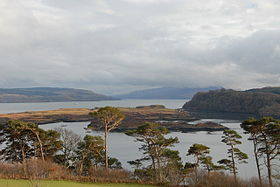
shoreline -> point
(172, 119)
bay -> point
(23, 107)
(125, 148)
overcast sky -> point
(113, 46)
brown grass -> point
(82, 111)
(36, 169)
(62, 111)
(33, 169)
(82, 114)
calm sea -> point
(22, 107)
(125, 148)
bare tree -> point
(70, 141)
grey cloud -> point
(112, 46)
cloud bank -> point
(117, 46)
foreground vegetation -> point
(33, 153)
(45, 183)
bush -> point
(33, 169)
(38, 169)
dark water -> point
(125, 148)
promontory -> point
(228, 103)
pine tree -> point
(231, 138)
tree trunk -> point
(268, 162)
(269, 170)
(257, 162)
(41, 146)
(105, 146)
(233, 163)
(23, 155)
(159, 170)
(154, 167)
(39, 141)
(81, 168)
(153, 161)
(195, 170)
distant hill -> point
(254, 102)
(164, 93)
(48, 94)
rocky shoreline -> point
(185, 128)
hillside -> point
(48, 94)
(254, 102)
(164, 93)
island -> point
(173, 119)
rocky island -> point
(173, 119)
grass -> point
(47, 183)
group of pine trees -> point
(159, 163)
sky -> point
(117, 46)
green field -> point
(41, 183)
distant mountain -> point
(48, 94)
(274, 90)
(254, 102)
(164, 93)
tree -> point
(209, 165)
(155, 149)
(231, 138)
(26, 140)
(199, 152)
(70, 141)
(201, 157)
(90, 153)
(18, 142)
(265, 135)
(109, 118)
(253, 127)
(51, 143)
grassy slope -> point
(25, 183)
